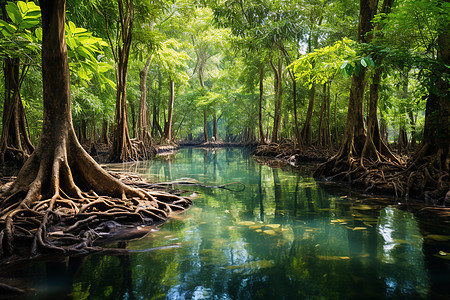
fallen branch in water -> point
(188, 182)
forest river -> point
(283, 237)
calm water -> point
(283, 237)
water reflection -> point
(283, 237)
(400, 250)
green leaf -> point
(14, 13)
(344, 71)
(363, 62)
(344, 64)
(22, 7)
(72, 27)
(79, 30)
(38, 33)
(85, 53)
(9, 27)
(28, 23)
(349, 69)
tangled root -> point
(75, 225)
(286, 150)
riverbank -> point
(422, 203)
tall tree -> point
(143, 126)
(374, 146)
(122, 148)
(355, 132)
(168, 130)
(48, 189)
(17, 47)
(429, 167)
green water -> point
(283, 237)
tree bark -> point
(168, 128)
(143, 120)
(122, 149)
(324, 138)
(105, 137)
(262, 138)
(133, 133)
(412, 123)
(278, 74)
(215, 127)
(306, 133)
(434, 151)
(205, 126)
(375, 148)
(15, 144)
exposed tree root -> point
(63, 202)
(72, 225)
(425, 177)
(286, 150)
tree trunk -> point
(214, 127)
(336, 134)
(278, 74)
(262, 139)
(324, 138)
(156, 126)
(375, 148)
(83, 132)
(354, 133)
(122, 149)
(143, 119)
(168, 128)
(430, 165)
(296, 126)
(306, 133)
(322, 116)
(133, 119)
(205, 126)
(105, 137)
(328, 126)
(412, 123)
(46, 196)
(15, 144)
(383, 129)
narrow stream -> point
(283, 237)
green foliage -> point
(171, 61)
(323, 64)
(17, 36)
(226, 43)
(84, 51)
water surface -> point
(283, 237)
